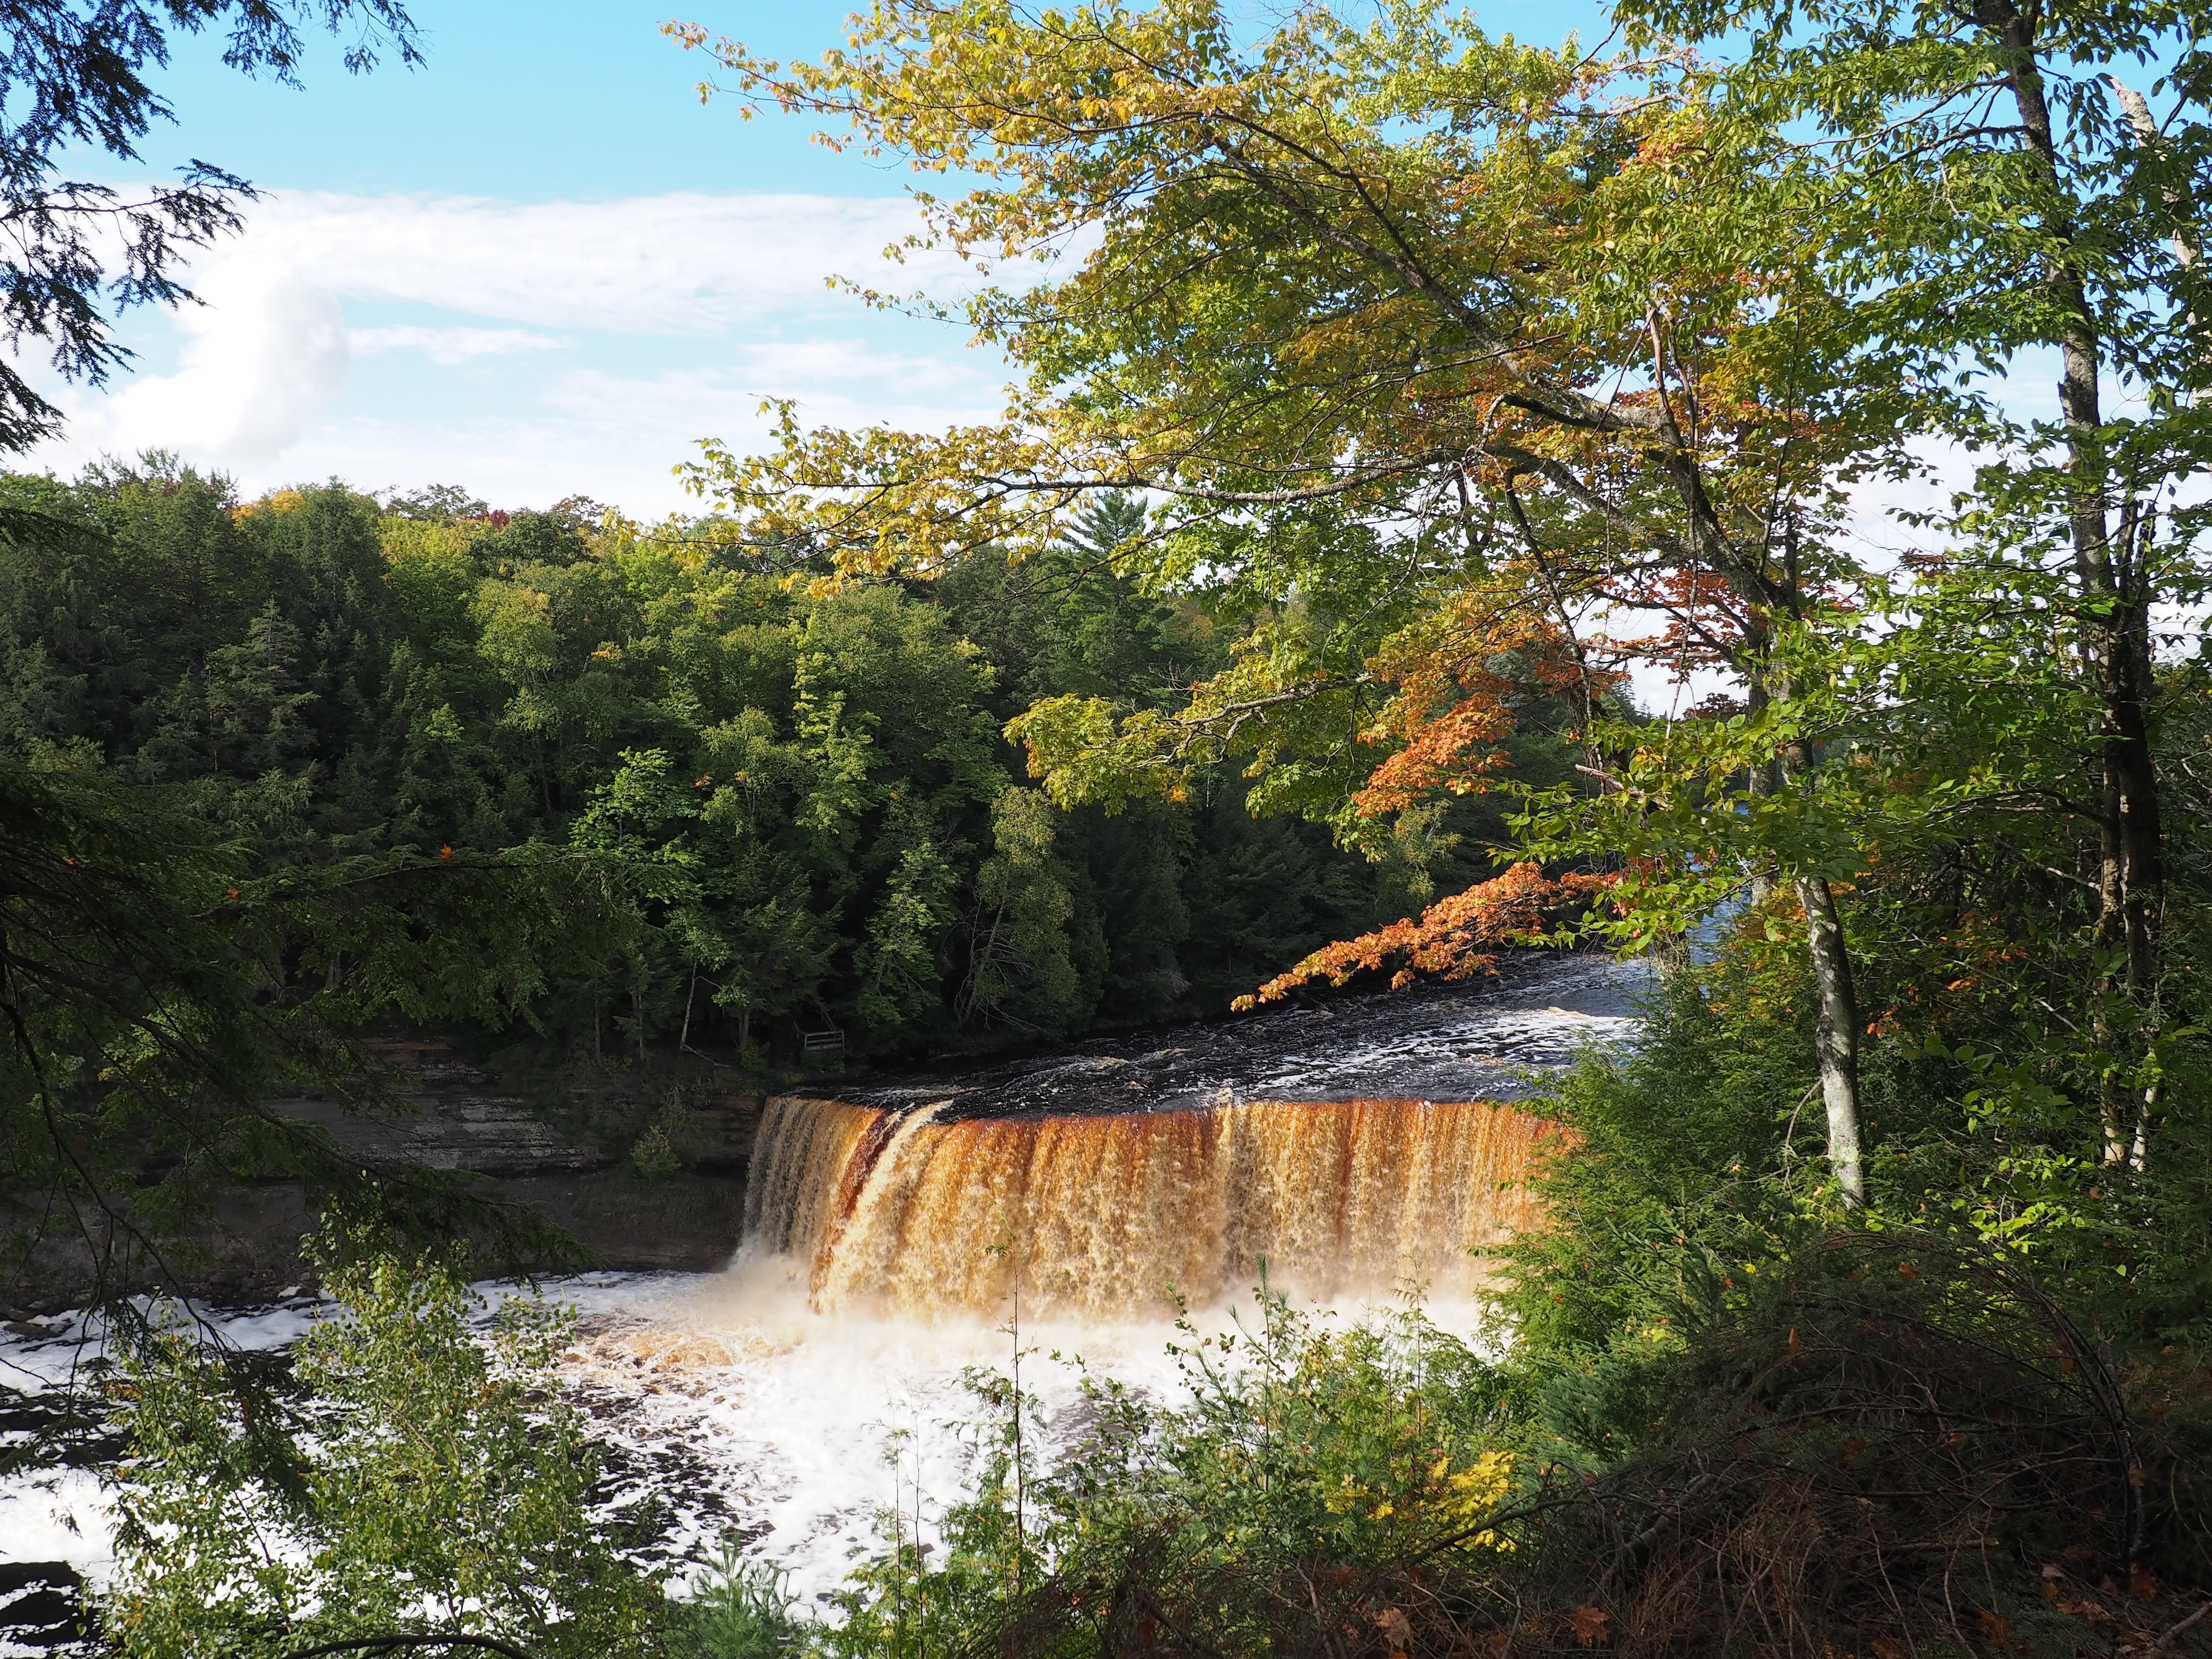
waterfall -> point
(1102, 1214)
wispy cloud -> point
(452, 345)
(616, 434)
(531, 338)
(682, 264)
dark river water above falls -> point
(1480, 1040)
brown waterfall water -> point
(1107, 1215)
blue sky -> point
(536, 266)
(556, 101)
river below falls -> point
(755, 1419)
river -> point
(787, 1401)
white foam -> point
(747, 1411)
(57, 1514)
(817, 1424)
(61, 1514)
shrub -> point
(420, 1482)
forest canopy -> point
(803, 796)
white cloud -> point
(847, 387)
(845, 362)
(579, 304)
(263, 354)
(681, 263)
(452, 345)
(598, 431)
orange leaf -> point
(1589, 1625)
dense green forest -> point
(821, 821)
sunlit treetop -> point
(1374, 311)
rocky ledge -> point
(563, 1145)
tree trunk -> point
(2115, 625)
(1836, 1035)
(1836, 1043)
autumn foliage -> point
(1456, 680)
(1453, 939)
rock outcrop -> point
(563, 1145)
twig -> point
(2165, 1644)
(1803, 1101)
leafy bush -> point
(742, 1611)
(1891, 1441)
(428, 1485)
(1955, 1419)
